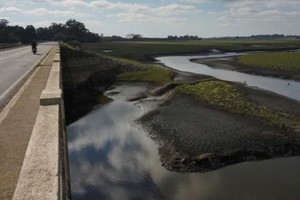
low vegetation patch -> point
(287, 61)
(229, 98)
(102, 99)
(146, 72)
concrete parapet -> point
(56, 57)
(44, 174)
(39, 177)
(51, 97)
(54, 78)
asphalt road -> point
(14, 63)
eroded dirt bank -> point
(191, 135)
(85, 78)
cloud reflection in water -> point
(110, 159)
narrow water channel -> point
(110, 158)
(284, 87)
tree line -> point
(72, 30)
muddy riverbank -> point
(111, 158)
(191, 136)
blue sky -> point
(160, 18)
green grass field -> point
(286, 61)
(141, 50)
(229, 98)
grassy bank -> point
(141, 50)
(286, 61)
(146, 72)
(231, 99)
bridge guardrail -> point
(9, 45)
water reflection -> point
(110, 159)
(106, 153)
(287, 88)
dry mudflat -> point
(194, 137)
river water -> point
(284, 87)
(110, 158)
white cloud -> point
(138, 17)
(12, 10)
(241, 12)
(174, 9)
(133, 12)
(69, 3)
(45, 23)
(41, 12)
(170, 9)
(45, 11)
(63, 3)
(92, 24)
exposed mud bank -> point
(194, 137)
(191, 136)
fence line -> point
(9, 45)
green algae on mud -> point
(231, 98)
(286, 61)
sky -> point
(160, 18)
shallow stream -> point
(110, 158)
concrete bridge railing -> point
(44, 174)
(9, 45)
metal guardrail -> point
(9, 45)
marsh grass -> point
(286, 61)
(141, 50)
(230, 98)
(146, 72)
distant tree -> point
(72, 30)
(75, 28)
(3, 23)
(42, 33)
(170, 37)
(7, 33)
(114, 38)
(134, 36)
(18, 31)
(29, 34)
(137, 37)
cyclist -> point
(34, 46)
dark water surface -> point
(110, 158)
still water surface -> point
(112, 159)
(284, 87)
